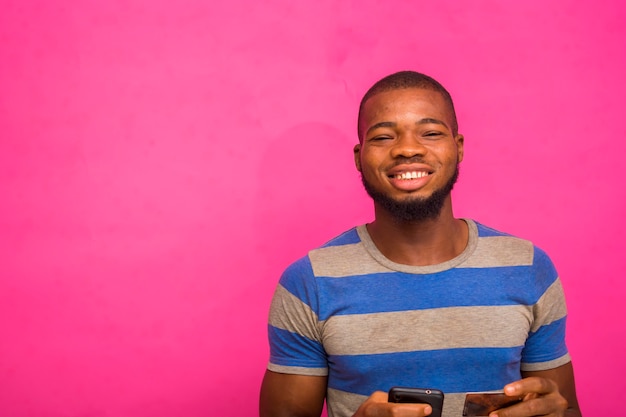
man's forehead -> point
(390, 100)
(418, 93)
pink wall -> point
(162, 162)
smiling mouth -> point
(410, 175)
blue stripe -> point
(298, 279)
(291, 349)
(551, 335)
(545, 272)
(450, 370)
(396, 291)
(349, 237)
(485, 231)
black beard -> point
(414, 209)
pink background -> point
(162, 162)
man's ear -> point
(460, 141)
(357, 156)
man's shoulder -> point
(486, 231)
(500, 241)
(323, 260)
(347, 238)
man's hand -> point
(541, 397)
(377, 406)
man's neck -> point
(419, 243)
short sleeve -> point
(545, 347)
(293, 329)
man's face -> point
(408, 156)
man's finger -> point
(529, 385)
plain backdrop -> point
(162, 162)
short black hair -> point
(407, 79)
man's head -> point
(409, 147)
(407, 79)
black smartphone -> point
(480, 404)
(430, 396)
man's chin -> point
(412, 198)
(413, 207)
(410, 208)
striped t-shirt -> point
(472, 323)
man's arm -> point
(546, 393)
(286, 395)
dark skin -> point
(414, 125)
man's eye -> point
(379, 138)
(433, 134)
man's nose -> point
(408, 146)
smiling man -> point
(417, 297)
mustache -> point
(401, 160)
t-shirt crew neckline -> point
(373, 251)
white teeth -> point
(411, 175)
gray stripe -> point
(550, 307)
(342, 403)
(542, 366)
(443, 328)
(428, 269)
(499, 251)
(297, 370)
(364, 257)
(453, 405)
(342, 261)
(288, 312)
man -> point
(417, 297)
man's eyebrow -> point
(381, 124)
(429, 120)
(424, 121)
